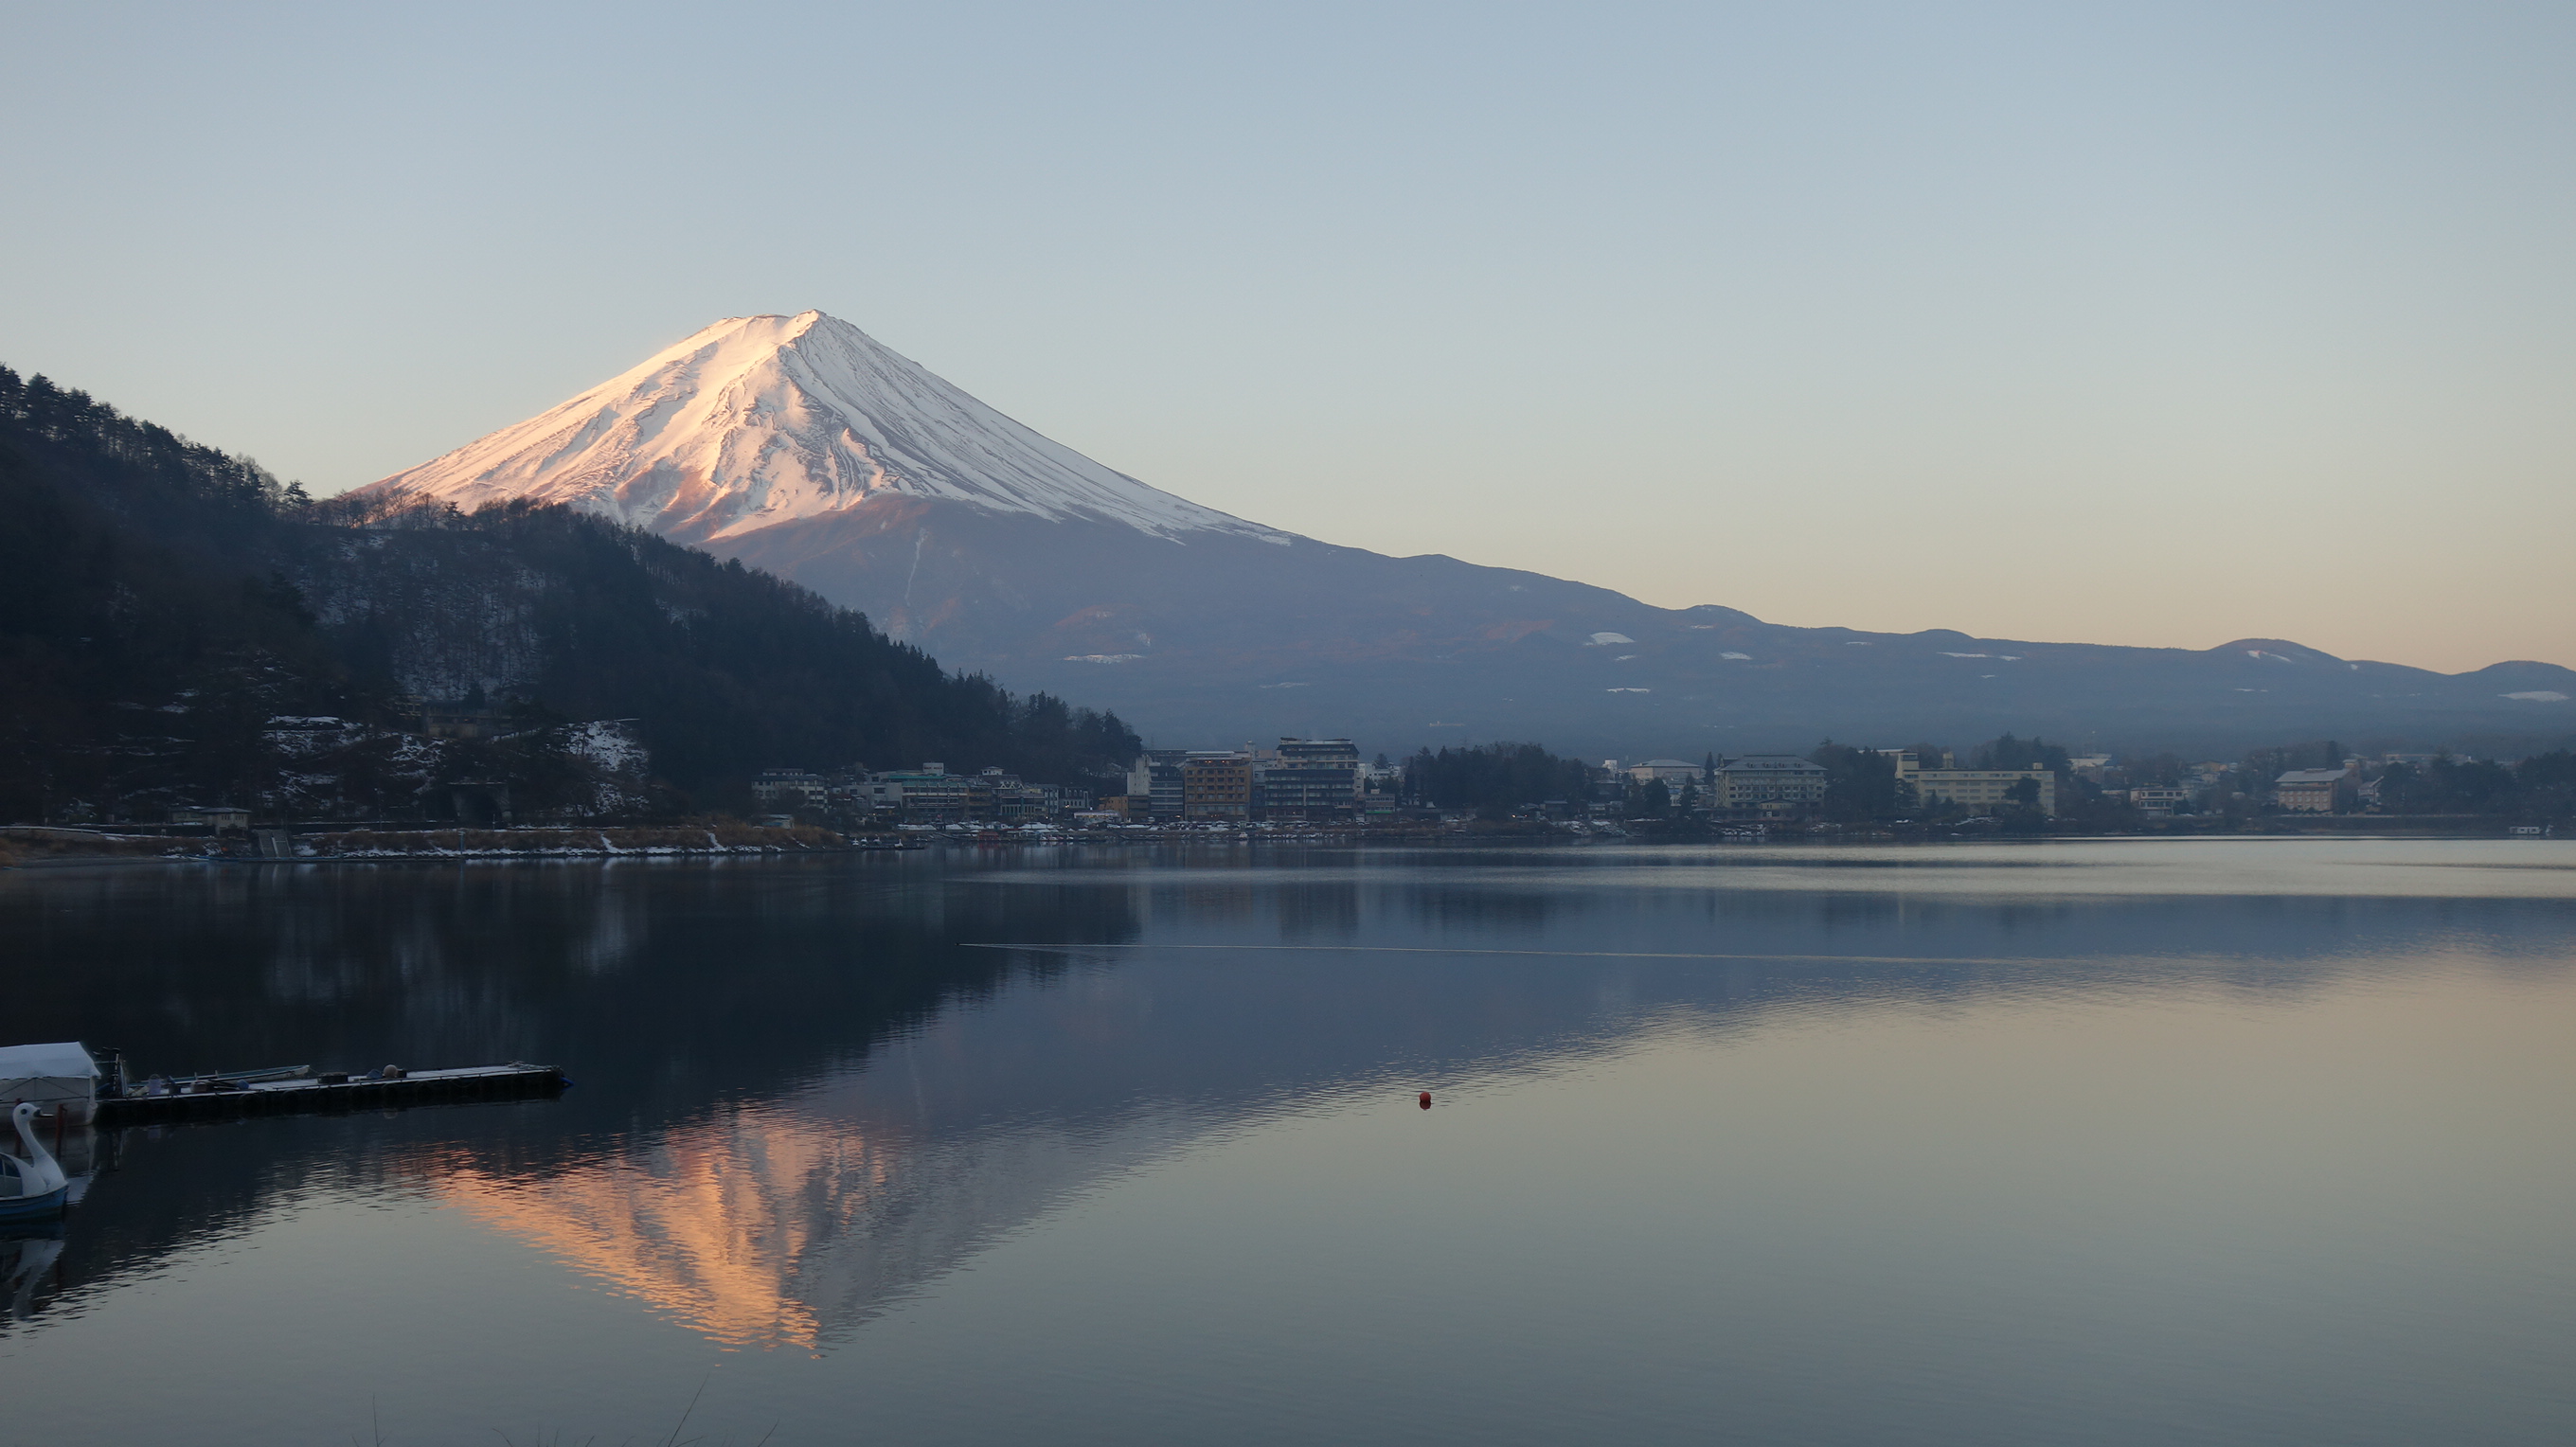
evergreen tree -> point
(1860, 784)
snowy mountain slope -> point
(800, 446)
(756, 421)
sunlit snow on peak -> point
(762, 420)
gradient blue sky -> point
(2160, 324)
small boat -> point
(33, 1186)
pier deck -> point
(323, 1093)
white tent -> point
(53, 1076)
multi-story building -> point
(1155, 777)
(993, 794)
(1216, 786)
(1768, 783)
(1673, 772)
(930, 793)
(1311, 779)
(2158, 800)
(2314, 791)
(1979, 789)
(788, 790)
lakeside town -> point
(1324, 786)
(1325, 781)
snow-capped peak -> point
(761, 420)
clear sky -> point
(2159, 323)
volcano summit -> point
(803, 446)
(757, 422)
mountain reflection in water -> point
(792, 1224)
(808, 1088)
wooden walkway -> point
(518, 1079)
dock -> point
(333, 1091)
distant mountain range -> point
(802, 446)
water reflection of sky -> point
(813, 1095)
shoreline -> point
(489, 846)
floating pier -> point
(214, 1097)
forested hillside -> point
(163, 605)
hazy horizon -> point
(2160, 329)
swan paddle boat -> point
(33, 1186)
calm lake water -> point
(2117, 1142)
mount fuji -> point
(757, 422)
(805, 447)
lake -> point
(2258, 1141)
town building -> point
(1310, 779)
(1673, 773)
(1381, 788)
(2158, 800)
(929, 794)
(1982, 790)
(1605, 792)
(1216, 786)
(222, 818)
(2314, 791)
(1156, 778)
(788, 790)
(1767, 783)
(993, 794)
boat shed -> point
(56, 1077)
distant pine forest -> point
(178, 627)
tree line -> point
(1493, 777)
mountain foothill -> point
(178, 627)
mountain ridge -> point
(1083, 587)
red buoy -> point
(1426, 1100)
